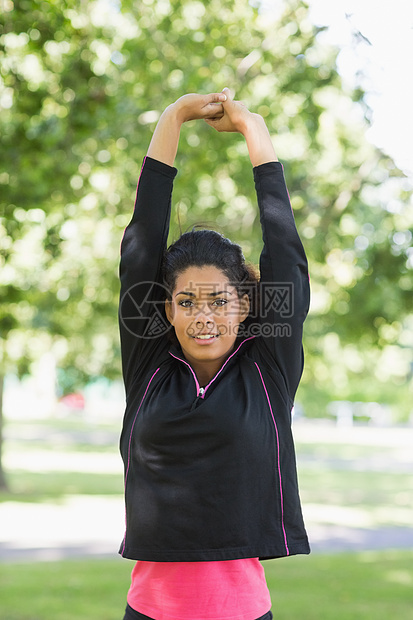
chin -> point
(217, 348)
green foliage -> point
(82, 85)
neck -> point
(206, 370)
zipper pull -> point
(199, 397)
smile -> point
(205, 336)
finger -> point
(228, 93)
(214, 110)
(216, 98)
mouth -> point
(204, 338)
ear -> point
(244, 307)
(169, 311)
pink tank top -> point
(225, 590)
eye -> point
(218, 303)
(186, 303)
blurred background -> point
(82, 85)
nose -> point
(200, 323)
(204, 317)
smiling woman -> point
(210, 474)
(206, 311)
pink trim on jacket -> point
(130, 441)
(278, 458)
(215, 376)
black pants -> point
(131, 614)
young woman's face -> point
(206, 311)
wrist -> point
(164, 143)
(174, 114)
(258, 139)
(252, 124)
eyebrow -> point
(190, 294)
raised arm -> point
(145, 238)
(283, 264)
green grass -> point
(368, 586)
(63, 434)
(37, 487)
(348, 586)
(353, 488)
(65, 437)
(346, 452)
(89, 589)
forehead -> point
(203, 280)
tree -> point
(57, 262)
(82, 86)
(351, 202)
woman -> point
(210, 474)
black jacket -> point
(212, 475)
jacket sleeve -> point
(284, 285)
(141, 316)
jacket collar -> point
(176, 352)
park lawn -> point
(368, 586)
(54, 486)
(346, 586)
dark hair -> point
(199, 248)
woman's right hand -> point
(164, 143)
(236, 117)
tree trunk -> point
(3, 483)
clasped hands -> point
(219, 110)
